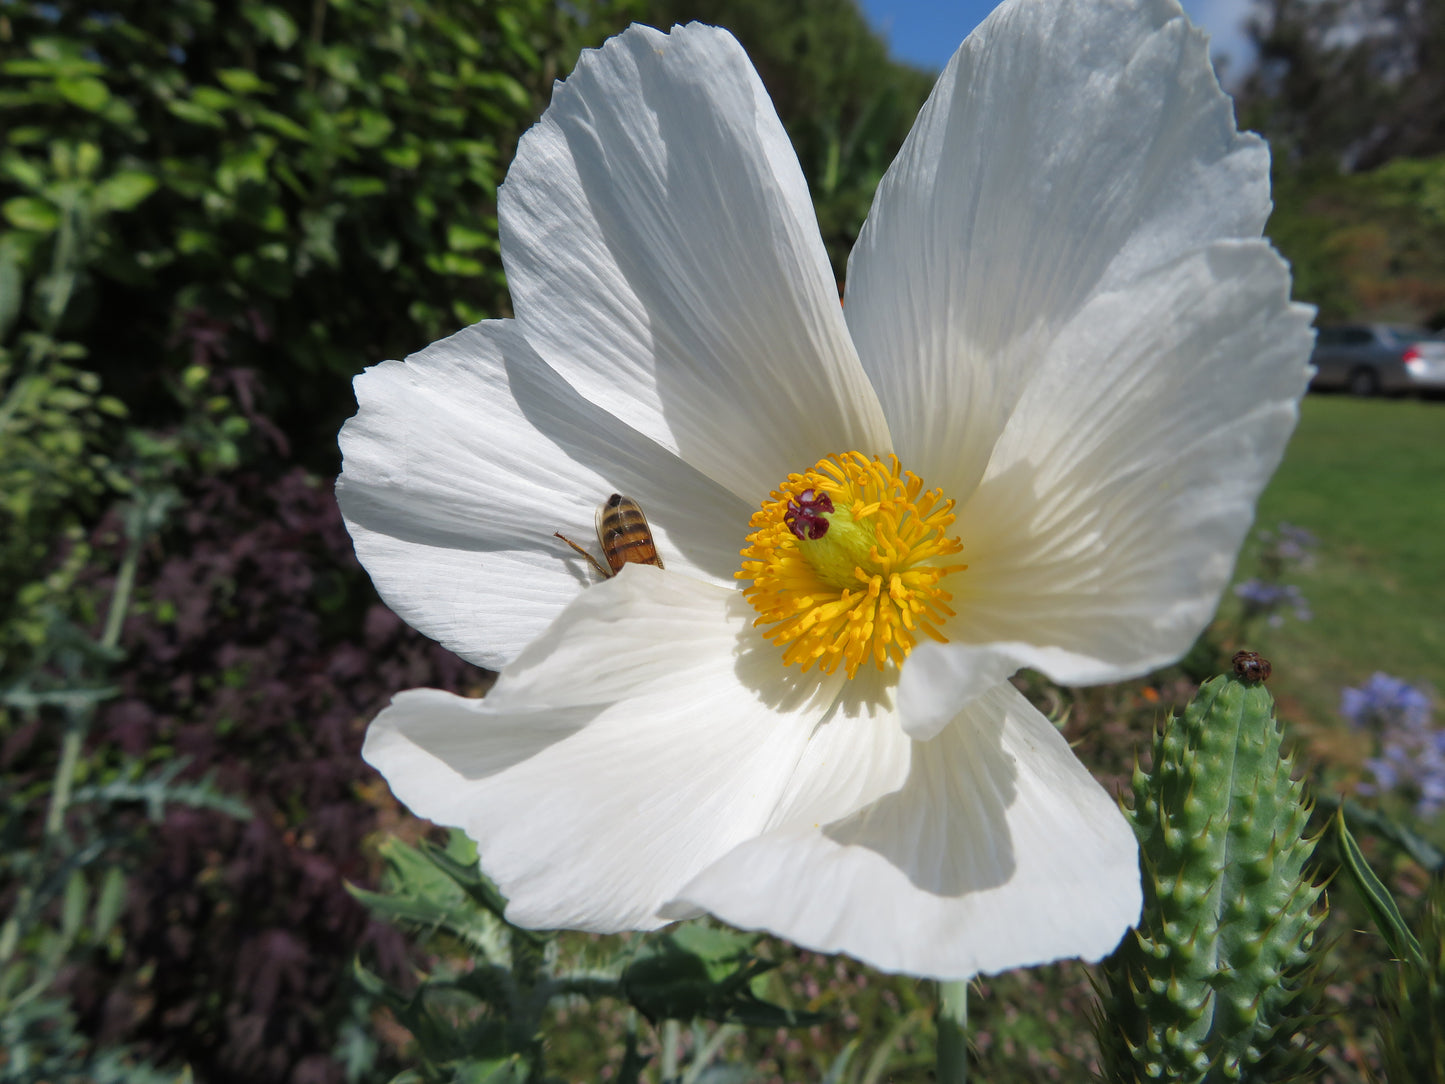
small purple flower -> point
(1260, 594)
(1386, 703)
(1295, 544)
(1411, 748)
(1268, 597)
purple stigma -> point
(805, 514)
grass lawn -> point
(1368, 477)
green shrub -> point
(300, 188)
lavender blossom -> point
(1294, 544)
(1281, 549)
(1411, 748)
(1268, 597)
(1386, 703)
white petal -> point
(1067, 148)
(1123, 485)
(1000, 851)
(857, 754)
(943, 678)
(663, 256)
(647, 733)
(462, 462)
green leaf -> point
(27, 135)
(190, 241)
(492, 1071)
(376, 988)
(87, 159)
(1373, 822)
(458, 861)
(1412, 1010)
(697, 971)
(505, 85)
(72, 911)
(242, 81)
(453, 263)
(247, 166)
(72, 698)
(372, 128)
(108, 904)
(12, 288)
(1378, 900)
(196, 114)
(22, 171)
(125, 190)
(431, 892)
(31, 213)
(87, 93)
(159, 791)
(281, 125)
(402, 157)
(413, 912)
(339, 61)
(273, 23)
(361, 187)
(441, 1038)
(465, 239)
(212, 98)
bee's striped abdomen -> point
(624, 535)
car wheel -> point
(1364, 382)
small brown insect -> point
(1248, 666)
(624, 535)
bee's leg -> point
(603, 572)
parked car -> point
(1370, 359)
(1425, 363)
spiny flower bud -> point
(1217, 983)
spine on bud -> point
(1217, 982)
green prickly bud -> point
(1217, 982)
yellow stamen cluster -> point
(870, 585)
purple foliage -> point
(1411, 748)
(243, 656)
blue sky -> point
(926, 32)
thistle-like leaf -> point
(1413, 1025)
(1377, 899)
(700, 972)
(1218, 981)
(427, 895)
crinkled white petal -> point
(647, 733)
(999, 851)
(1123, 484)
(1068, 149)
(857, 754)
(461, 463)
(663, 255)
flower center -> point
(845, 563)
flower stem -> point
(952, 1024)
(79, 722)
(671, 1039)
(73, 741)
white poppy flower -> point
(1065, 367)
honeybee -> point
(624, 535)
